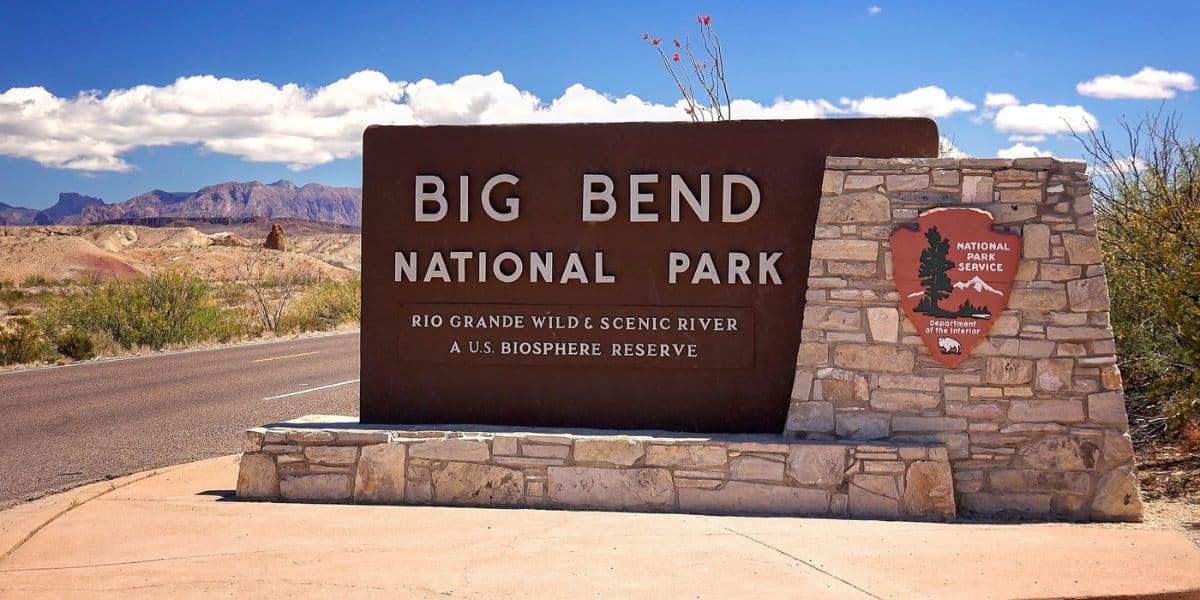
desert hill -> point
(127, 251)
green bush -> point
(75, 344)
(325, 306)
(22, 342)
(168, 307)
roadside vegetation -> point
(45, 321)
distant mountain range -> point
(230, 200)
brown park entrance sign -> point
(632, 275)
(954, 274)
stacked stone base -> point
(335, 459)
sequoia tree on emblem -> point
(954, 273)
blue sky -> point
(827, 59)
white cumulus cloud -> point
(1149, 83)
(1043, 119)
(1020, 150)
(928, 101)
(874, 10)
(999, 99)
(1031, 138)
(303, 127)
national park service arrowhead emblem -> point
(954, 274)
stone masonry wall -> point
(1034, 419)
(334, 460)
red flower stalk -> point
(655, 41)
(676, 43)
(675, 57)
(645, 36)
(707, 19)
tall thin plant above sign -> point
(690, 72)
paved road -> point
(64, 426)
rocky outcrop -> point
(276, 240)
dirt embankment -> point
(126, 251)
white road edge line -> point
(316, 389)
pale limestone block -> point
(1117, 496)
(1062, 411)
(874, 496)
(856, 207)
(560, 439)
(831, 318)
(811, 417)
(802, 386)
(884, 323)
(753, 468)
(906, 423)
(1083, 205)
(840, 249)
(456, 449)
(523, 462)
(863, 426)
(812, 354)
(1012, 213)
(1021, 196)
(623, 452)
(253, 442)
(309, 436)
(1034, 480)
(1107, 408)
(257, 477)
(976, 189)
(945, 178)
(545, 450)
(869, 357)
(687, 482)
(380, 475)
(419, 491)
(739, 497)
(1110, 377)
(324, 487)
(1089, 294)
(1052, 272)
(685, 455)
(505, 445)
(833, 181)
(1006, 326)
(331, 455)
(891, 381)
(1018, 175)
(862, 182)
(1041, 299)
(473, 484)
(929, 490)
(610, 489)
(903, 401)
(1082, 249)
(899, 183)
(1054, 374)
(819, 465)
(852, 269)
(1060, 452)
(989, 504)
(1118, 450)
(1078, 333)
(882, 466)
(1008, 371)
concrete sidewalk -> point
(176, 533)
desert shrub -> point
(166, 308)
(37, 281)
(12, 299)
(75, 344)
(1147, 198)
(325, 306)
(22, 342)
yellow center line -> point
(285, 356)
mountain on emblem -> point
(954, 274)
(978, 285)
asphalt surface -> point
(64, 426)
